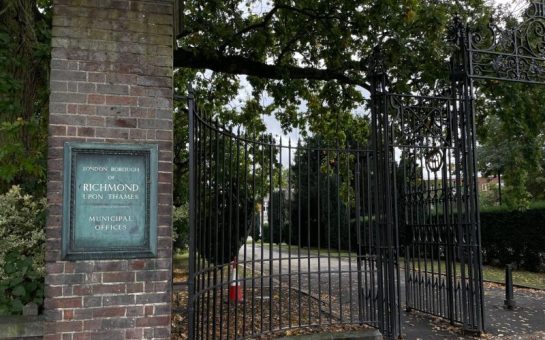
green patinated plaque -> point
(110, 201)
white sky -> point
(514, 6)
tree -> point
(319, 212)
(312, 52)
(24, 76)
(307, 62)
(323, 181)
(511, 124)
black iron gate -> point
(426, 145)
(286, 235)
(432, 140)
(318, 235)
(434, 181)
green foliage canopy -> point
(311, 57)
(24, 75)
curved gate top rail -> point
(511, 54)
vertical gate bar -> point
(229, 231)
(211, 320)
(477, 263)
(407, 280)
(433, 243)
(223, 230)
(245, 234)
(375, 139)
(319, 231)
(202, 229)
(254, 226)
(428, 221)
(328, 164)
(208, 222)
(472, 217)
(463, 237)
(262, 258)
(367, 251)
(202, 267)
(357, 180)
(212, 230)
(202, 225)
(237, 226)
(450, 237)
(420, 221)
(192, 211)
(300, 152)
(396, 283)
(371, 260)
(383, 175)
(349, 228)
(309, 289)
(271, 227)
(289, 233)
(216, 243)
(280, 227)
(415, 220)
(338, 184)
(388, 223)
(199, 229)
(446, 181)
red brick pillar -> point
(111, 82)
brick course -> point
(111, 81)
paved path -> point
(321, 276)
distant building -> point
(485, 184)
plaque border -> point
(68, 250)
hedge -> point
(22, 237)
(514, 237)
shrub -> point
(513, 236)
(23, 284)
(22, 237)
(180, 230)
(22, 228)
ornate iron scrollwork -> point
(421, 120)
(434, 160)
(516, 54)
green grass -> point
(520, 277)
(496, 274)
(533, 205)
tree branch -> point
(309, 13)
(260, 24)
(235, 64)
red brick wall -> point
(111, 81)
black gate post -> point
(468, 238)
(386, 235)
